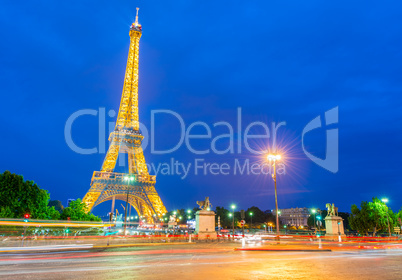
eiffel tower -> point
(137, 187)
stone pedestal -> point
(205, 225)
(334, 227)
(172, 225)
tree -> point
(379, 215)
(257, 217)
(223, 213)
(360, 219)
(57, 205)
(397, 217)
(78, 211)
(372, 216)
(19, 197)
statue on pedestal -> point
(172, 221)
(205, 221)
(332, 210)
(333, 223)
(205, 205)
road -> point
(201, 261)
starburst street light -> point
(273, 158)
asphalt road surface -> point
(201, 261)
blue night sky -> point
(279, 61)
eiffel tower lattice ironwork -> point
(126, 138)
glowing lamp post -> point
(314, 211)
(233, 208)
(251, 223)
(385, 200)
(319, 224)
(273, 158)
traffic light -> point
(67, 230)
(26, 217)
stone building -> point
(294, 216)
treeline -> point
(253, 216)
(373, 217)
(19, 197)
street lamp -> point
(270, 227)
(233, 208)
(128, 180)
(272, 159)
(251, 223)
(385, 200)
(189, 214)
(319, 224)
(313, 211)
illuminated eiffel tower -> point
(137, 186)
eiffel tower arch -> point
(137, 187)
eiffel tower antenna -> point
(136, 187)
(136, 17)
